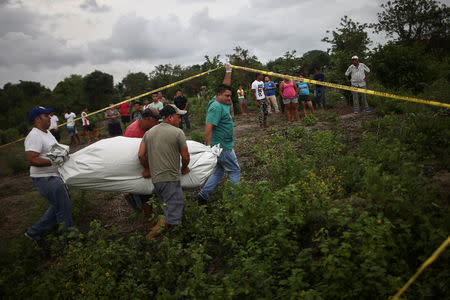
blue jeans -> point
(321, 90)
(226, 162)
(60, 210)
(186, 119)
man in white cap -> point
(46, 178)
(159, 153)
(359, 73)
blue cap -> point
(38, 110)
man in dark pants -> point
(159, 153)
(182, 103)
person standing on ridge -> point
(182, 103)
(260, 98)
(71, 128)
(269, 90)
(359, 73)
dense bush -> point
(323, 220)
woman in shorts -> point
(242, 101)
(289, 91)
(303, 96)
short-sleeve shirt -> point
(269, 84)
(69, 118)
(357, 74)
(163, 143)
(258, 86)
(124, 108)
(158, 105)
(53, 122)
(84, 119)
(41, 142)
(218, 114)
(180, 102)
(112, 113)
(319, 77)
(303, 88)
(134, 130)
(240, 94)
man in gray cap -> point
(359, 73)
(159, 153)
(46, 178)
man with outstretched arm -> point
(159, 153)
(219, 130)
(46, 178)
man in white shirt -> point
(359, 73)
(71, 129)
(260, 98)
(54, 126)
(46, 178)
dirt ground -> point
(21, 205)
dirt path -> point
(20, 207)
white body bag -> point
(112, 165)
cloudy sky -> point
(47, 40)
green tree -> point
(402, 67)
(415, 20)
(18, 99)
(70, 92)
(163, 75)
(313, 60)
(289, 63)
(135, 84)
(99, 89)
(349, 39)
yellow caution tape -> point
(348, 88)
(428, 262)
(131, 99)
(333, 85)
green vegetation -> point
(316, 219)
(327, 209)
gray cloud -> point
(18, 20)
(137, 38)
(23, 43)
(92, 6)
(30, 48)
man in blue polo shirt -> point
(269, 90)
(219, 130)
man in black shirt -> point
(182, 103)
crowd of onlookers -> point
(270, 97)
(116, 115)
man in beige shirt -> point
(159, 153)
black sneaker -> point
(201, 200)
